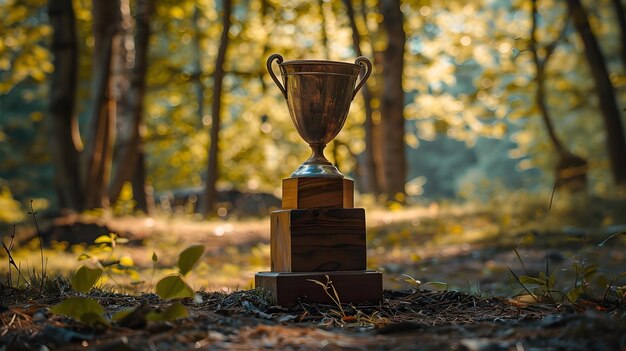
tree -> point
(370, 165)
(571, 170)
(216, 107)
(392, 104)
(620, 14)
(64, 141)
(130, 151)
(616, 144)
(101, 134)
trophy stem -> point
(317, 165)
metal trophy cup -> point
(318, 235)
(318, 95)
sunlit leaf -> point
(189, 257)
(171, 313)
(76, 307)
(437, 285)
(126, 261)
(85, 278)
(173, 286)
(102, 239)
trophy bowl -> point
(318, 94)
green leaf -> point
(85, 278)
(437, 285)
(154, 257)
(84, 256)
(189, 257)
(77, 307)
(524, 279)
(171, 313)
(175, 311)
(92, 319)
(122, 313)
(552, 280)
(575, 293)
(173, 286)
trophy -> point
(318, 95)
(318, 237)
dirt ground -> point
(246, 320)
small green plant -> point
(174, 285)
(91, 312)
(103, 254)
(543, 287)
(418, 284)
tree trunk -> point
(216, 106)
(392, 104)
(616, 144)
(121, 68)
(106, 22)
(571, 169)
(197, 62)
(620, 14)
(62, 121)
(369, 166)
(131, 166)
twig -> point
(43, 269)
(522, 284)
(12, 262)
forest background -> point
(165, 107)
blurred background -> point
(164, 108)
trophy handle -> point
(362, 61)
(279, 60)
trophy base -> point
(354, 287)
(317, 171)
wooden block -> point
(315, 240)
(352, 286)
(311, 192)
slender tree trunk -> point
(131, 166)
(106, 22)
(376, 124)
(63, 123)
(370, 165)
(392, 104)
(120, 95)
(620, 14)
(571, 169)
(216, 106)
(616, 144)
(197, 62)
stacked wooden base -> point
(318, 237)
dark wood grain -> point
(310, 192)
(352, 286)
(318, 240)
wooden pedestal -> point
(352, 286)
(304, 193)
(315, 240)
(318, 233)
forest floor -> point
(245, 320)
(475, 284)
